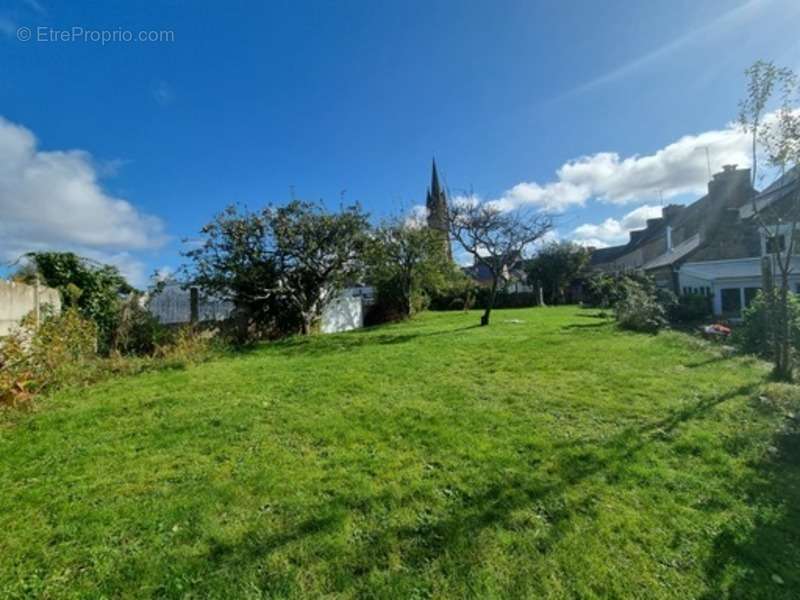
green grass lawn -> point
(555, 457)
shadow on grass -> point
(707, 362)
(762, 559)
(319, 345)
(606, 316)
(586, 326)
(550, 493)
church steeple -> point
(436, 190)
(436, 203)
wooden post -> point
(194, 305)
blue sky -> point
(120, 150)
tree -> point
(776, 137)
(495, 239)
(555, 266)
(236, 262)
(95, 289)
(405, 259)
(317, 254)
(279, 266)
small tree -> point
(555, 266)
(495, 239)
(94, 289)
(404, 260)
(776, 136)
(317, 253)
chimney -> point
(669, 238)
(729, 189)
(651, 223)
(672, 211)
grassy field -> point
(546, 456)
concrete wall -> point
(343, 314)
(19, 299)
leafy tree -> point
(317, 254)
(404, 261)
(279, 266)
(776, 138)
(95, 289)
(495, 239)
(236, 262)
(555, 266)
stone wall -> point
(19, 299)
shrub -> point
(641, 307)
(757, 330)
(138, 331)
(691, 308)
(189, 345)
(58, 353)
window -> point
(750, 295)
(731, 301)
(776, 244)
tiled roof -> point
(678, 252)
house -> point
(513, 281)
(714, 246)
(728, 265)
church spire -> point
(436, 202)
(436, 190)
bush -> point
(641, 307)
(138, 332)
(58, 353)
(691, 308)
(189, 345)
(62, 352)
(755, 333)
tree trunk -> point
(409, 301)
(307, 322)
(489, 304)
(783, 325)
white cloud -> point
(54, 200)
(417, 217)
(678, 168)
(613, 231)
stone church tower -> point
(436, 203)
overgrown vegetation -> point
(95, 290)
(34, 360)
(62, 353)
(587, 462)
